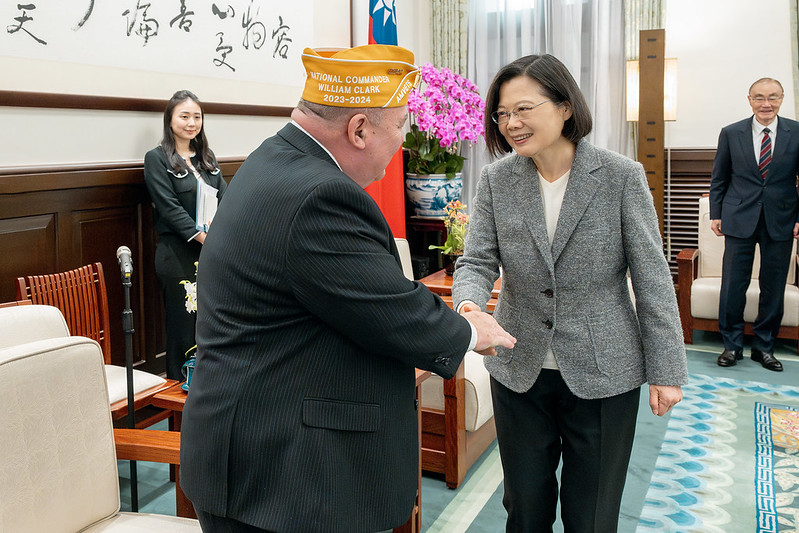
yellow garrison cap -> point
(374, 75)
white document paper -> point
(206, 205)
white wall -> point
(715, 43)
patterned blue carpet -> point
(725, 460)
(722, 458)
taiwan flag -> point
(389, 193)
(382, 22)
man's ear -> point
(356, 130)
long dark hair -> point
(206, 159)
(559, 86)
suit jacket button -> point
(547, 323)
(442, 360)
(549, 293)
(416, 405)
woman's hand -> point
(663, 397)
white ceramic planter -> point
(430, 193)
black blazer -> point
(174, 199)
(301, 414)
(738, 193)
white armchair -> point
(58, 467)
(699, 283)
(457, 414)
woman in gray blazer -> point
(565, 222)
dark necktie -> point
(765, 153)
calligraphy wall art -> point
(245, 40)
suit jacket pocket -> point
(340, 415)
(616, 341)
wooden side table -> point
(174, 399)
(441, 284)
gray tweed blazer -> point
(573, 296)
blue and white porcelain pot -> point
(430, 193)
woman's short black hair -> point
(559, 87)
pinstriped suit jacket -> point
(573, 296)
(301, 415)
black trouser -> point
(179, 325)
(593, 437)
(736, 274)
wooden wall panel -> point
(58, 218)
(98, 234)
(27, 245)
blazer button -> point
(549, 293)
(416, 405)
(442, 360)
(547, 323)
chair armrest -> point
(147, 445)
(687, 269)
(687, 255)
(687, 265)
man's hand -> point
(796, 231)
(715, 225)
(663, 397)
(489, 333)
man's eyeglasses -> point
(761, 99)
(522, 112)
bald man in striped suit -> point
(301, 414)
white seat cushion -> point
(477, 387)
(143, 522)
(117, 379)
(705, 301)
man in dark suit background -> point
(301, 414)
(753, 200)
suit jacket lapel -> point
(783, 139)
(524, 187)
(581, 189)
(746, 146)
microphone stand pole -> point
(127, 327)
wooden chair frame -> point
(81, 296)
(687, 271)
(447, 448)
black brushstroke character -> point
(255, 29)
(147, 27)
(223, 50)
(86, 16)
(22, 19)
(183, 17)
(228, 12)
(282, 40)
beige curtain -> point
(449, 22)
(641, 15)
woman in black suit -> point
(172, 172)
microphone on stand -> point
(126, 266)
(125, 262)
